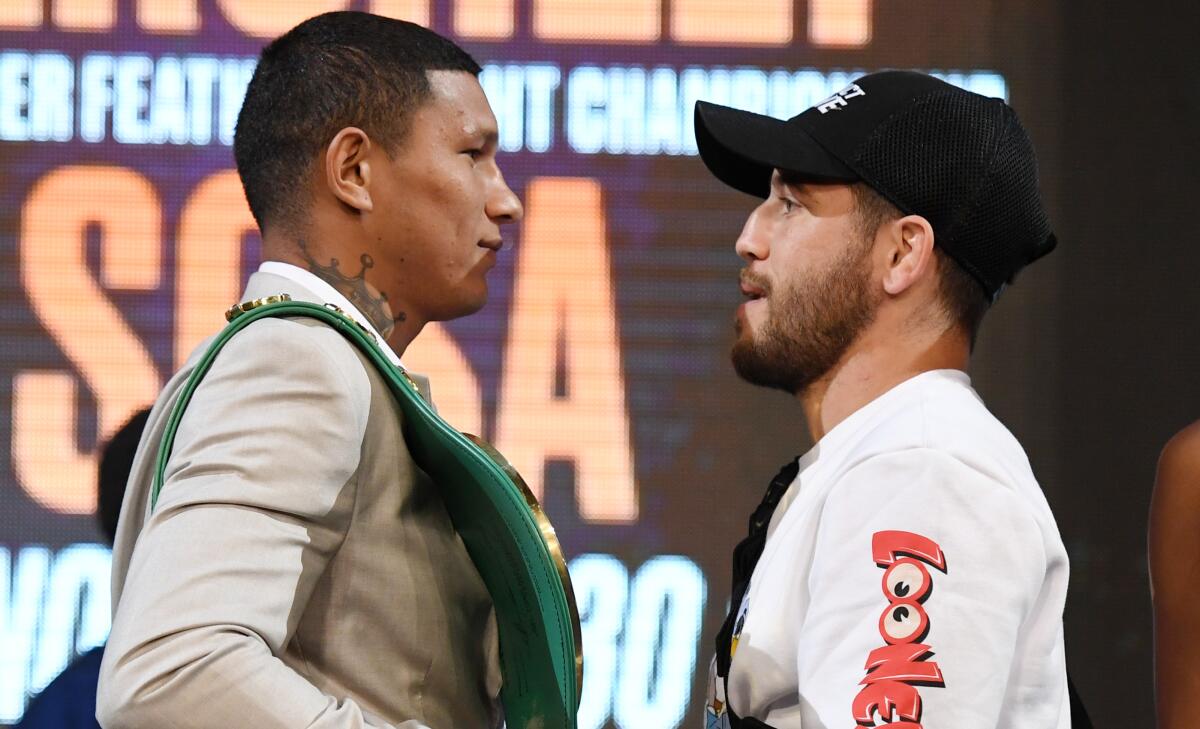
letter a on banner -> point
(563, 298)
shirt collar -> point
(845, 431)
(329, 295)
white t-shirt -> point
(912, 572)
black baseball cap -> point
(960, 160)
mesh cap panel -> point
(968, 168)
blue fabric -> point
(69, 701)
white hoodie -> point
(912, 572)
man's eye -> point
(788, 205)
(475, 153)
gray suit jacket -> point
(299, 570)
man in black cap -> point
(907, 569)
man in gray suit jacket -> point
(299, 570)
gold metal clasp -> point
(413, 383)
(360, 325)
(238, 309)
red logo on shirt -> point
(895, 669)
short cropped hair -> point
(963, 298)
(332, 71)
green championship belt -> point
(507, 535)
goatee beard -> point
(809, 327)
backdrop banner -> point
(599, 366)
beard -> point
(809, 325)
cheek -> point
(462, 209)
(441, 219)
(434, 189)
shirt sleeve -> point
(924, 570)
(258, 496)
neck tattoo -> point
(369, 300)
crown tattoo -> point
(354, 288)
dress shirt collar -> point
(328, 295)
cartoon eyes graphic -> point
(906, 584)
(903, 622)
(906, 579)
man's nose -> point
(752, 243)
(503, 205)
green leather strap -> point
(508, 538)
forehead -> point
(459, 103)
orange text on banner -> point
(490, 19)
(833, 23)
(563, 298)
(839, 23)
(208, 259)
(51, 466)
(562, 293)
(583, 20)
(269, 18)
(262, 18)
(766, 22)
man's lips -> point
(491, 252)
(751, 290)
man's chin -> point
(466, 308)
(773, 370)
(473, 296)
(751, 365)
(460, 306)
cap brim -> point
(742, 149)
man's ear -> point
(347, 171)
(910, 249)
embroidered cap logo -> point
(840, 99)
